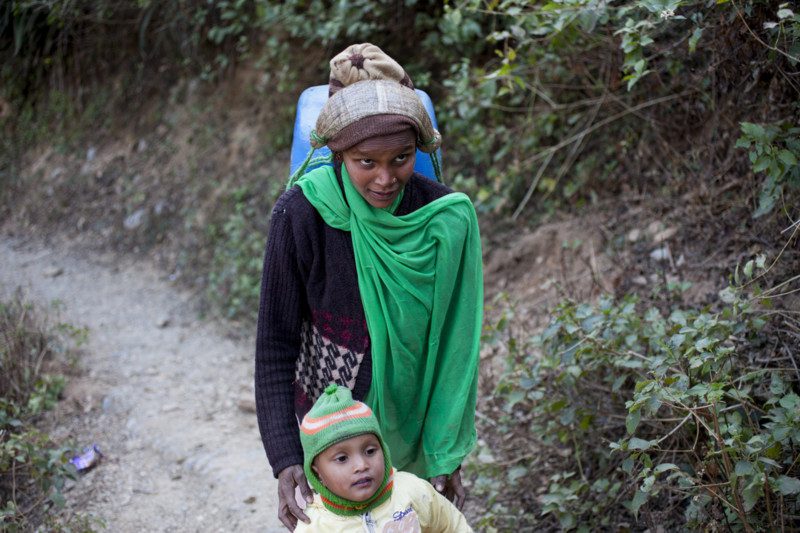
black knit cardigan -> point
(311, 325)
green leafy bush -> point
(235, 276)
(33, 469)
(665, 415)
(574, 92)
(774, 149)
(547, 103)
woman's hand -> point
(450, 487)
(288, 510)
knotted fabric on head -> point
(373, 108)
(335, 417)
(360, 62)
(370, 95)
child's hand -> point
(288, 510)
(451, 488)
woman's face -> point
(380, 167)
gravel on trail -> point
(165, 395)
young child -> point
(348, 465)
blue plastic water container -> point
(309, 106)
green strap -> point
(308, 162)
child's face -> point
(352, 469)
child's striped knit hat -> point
(336, 417)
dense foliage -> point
(581, 92)
(689, 417)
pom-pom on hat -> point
(361, 62)
(336, 417)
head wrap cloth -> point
(363, 106)
(370, 95)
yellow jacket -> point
(415, 507)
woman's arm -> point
(277, 350)
(278, 343)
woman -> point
(372, 280)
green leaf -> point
(58, 499)
(777, 386)
(768, 461)
(762, 163)
(766, 202)
(748, 268)
(788, 485)
(639, 499)
(515, 397)
(744, 468)
(785, 13)
(781, 432)
(638, 444)
(652, 315)
(728, 295)
(632, 421)
(663, 467)
(751, 494)
(627, 465)
(696, 34)
(678, 317)
(787, 157)
(753, 130)
(516, 473)
(567, 521)
(702, 343)
(574, 370)
(699, 390)
(646, 460)
(791, 401)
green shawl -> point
(421, 283)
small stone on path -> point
(664, 235)
(247, 405)
(661, 254)
(53, 272)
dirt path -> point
(161, 397)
